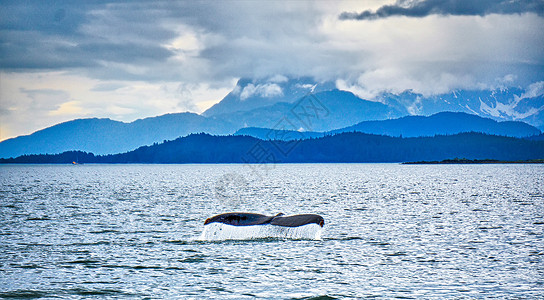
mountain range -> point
(444, 123)
(105, 136)
(343, 147)
(300, 107)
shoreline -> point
(465, 161)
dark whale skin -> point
(298, 220)
(249, 219)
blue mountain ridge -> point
(321, 111)
(443, 123)
(105, 136)
(348, 147)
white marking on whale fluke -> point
(220, 232)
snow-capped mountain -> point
(249, 94)
(506, 104)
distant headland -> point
(475, 161)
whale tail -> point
(248, 219)
(240, 226)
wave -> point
(62, 293)
(221, 232)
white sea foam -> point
(220, 232)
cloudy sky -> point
(62, 60)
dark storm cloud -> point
(55, 17)
(70, 34)
(124, 52)
(35, 34)
(424, 8)
(138, 40)
(235, 38)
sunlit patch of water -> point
(222, 232)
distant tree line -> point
(344, 147)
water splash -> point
(221, 232)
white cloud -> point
(534, 90)
(70, 108)
(117, 110)
(278, 79)
(266, 90)
(437, 54)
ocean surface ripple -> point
(392, 231)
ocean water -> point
(391, 231)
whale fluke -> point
(248, 219)
(298, 220)
(239, 219)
